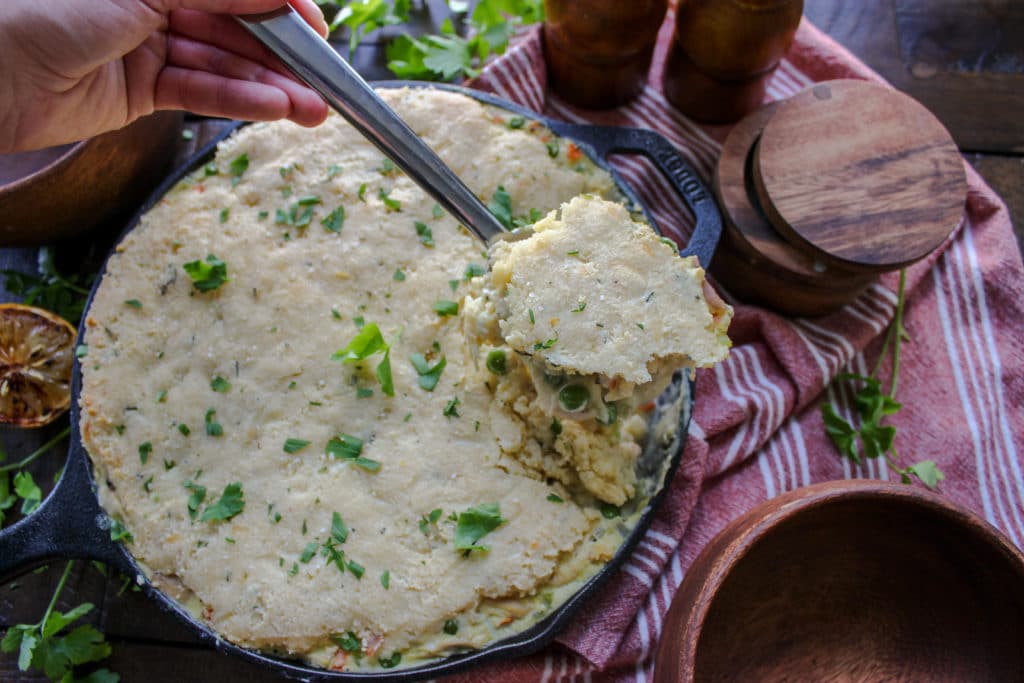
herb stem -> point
(39, 451)
(56, 594)
(897, 331)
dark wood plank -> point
(963, 59)
(1006, 176)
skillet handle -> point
(69, 524)
(607, 140)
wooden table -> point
(962, 58)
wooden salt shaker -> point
(598, 52)
(723, 54)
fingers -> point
(215, 95)
(312, 13)
(190, 54)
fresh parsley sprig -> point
(41, 645)
(872, 438)
(63, 294)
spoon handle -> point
(316, 63)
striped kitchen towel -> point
(757, 428)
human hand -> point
(70, 69)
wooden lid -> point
(859, 175)
(753, 261)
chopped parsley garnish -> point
(364, 392)
(425, 234)
(391, 204)
(474, 524)
(350, 448)
(366, 343)
(546, 344)
(134, 303)
(385, 579)
(118, 532)
(207, 275)
(390, 662)
(444, 307)
(362, 192)
(556, 426)
(196, 499)
(552, 148)
(213, 427)
(398, 276)
(333, 221)
(454, 284)
(294, 445)
(533, 320)
(183, 428)
(333, 170)
(428, 376)
(473, 270)
(294, 570)
(516, 122)
(339, 532)
(427, 520)
(450, 408)
(497, 362)
(555, 498)
(144, 450)
(437, 211)
(224, 214)
(357, 569)
(230, 504)
(220, 385)
(286, 170)
(580, 305)
(451, 627)
(237, 167)
(386, 166)
(574, 252)
(161, 397)
(169, 464)
(210, 169)
(669, 242)
(309, 552)
(299, 214)
(501, 207)
(262, 215)
(609, 511)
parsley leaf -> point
(363, 16)
(213, 428)
(428, 376)
(444, 307)
(220, 385)
(64, 295)
(348, 447)
(389, 203)
(501, 207)
(367, 342)
(230, 504)
(31, 495)
(475, 523)
(334, 221)
(450, 408)
(196, 499)
(294, 445)
(425, 234)
(209, 275)
(238, 167)
(144, 450)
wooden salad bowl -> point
(61, 191)
(850, 581)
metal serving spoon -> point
(316, 63)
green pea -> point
(497, 362)
(573, 397)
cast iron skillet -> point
(71, 524)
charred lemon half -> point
(37, 352)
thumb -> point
(307, 9)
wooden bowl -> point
(60, 191)
(850, 581)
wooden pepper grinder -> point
(598, 52)
(723, 54)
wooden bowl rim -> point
(46, 171)
(740, 535)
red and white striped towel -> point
(757, 429)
